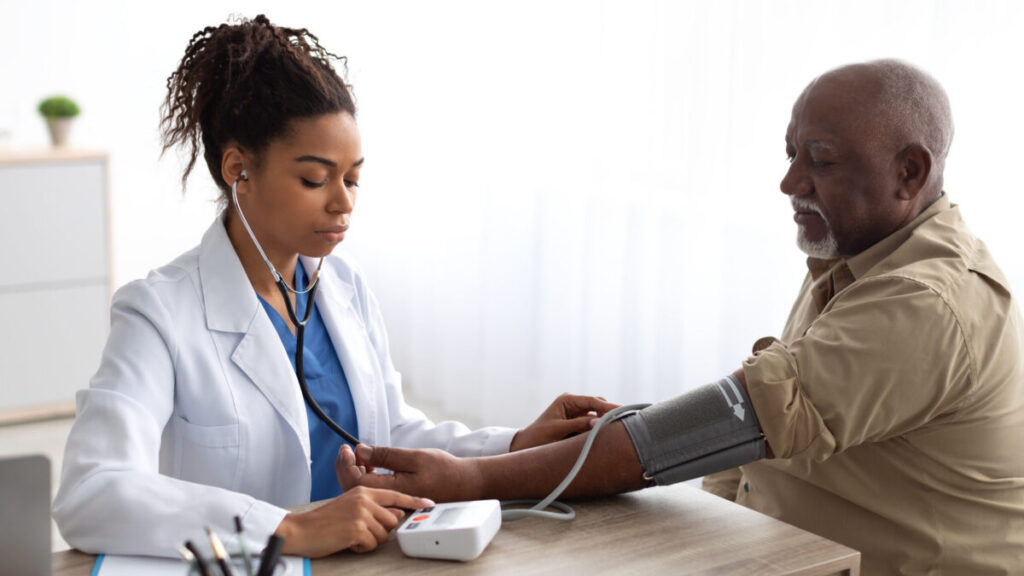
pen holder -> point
(281, 569)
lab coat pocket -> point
(207, 454)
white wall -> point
(558, 195)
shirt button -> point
(746, 486)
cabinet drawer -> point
(50, 344)
(53, 223)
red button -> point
(420, 518)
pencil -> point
(220, 553)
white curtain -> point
(584, 196)
(558, 195)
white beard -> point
(823, 248)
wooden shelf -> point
(15, 156)
(55, 311)
(37, 414)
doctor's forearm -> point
(611, 467)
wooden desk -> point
(670, 530)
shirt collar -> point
(860, 264)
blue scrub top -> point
(326, 381)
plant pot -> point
(59, 130)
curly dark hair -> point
(243, 84)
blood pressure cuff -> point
(706, 430)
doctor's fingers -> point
(382, 521)
(551, 430)
(368, 533)
(393, 499)
(368, 539)
(574, 405)
(366, 521)
(573, 426)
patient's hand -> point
(569, 414)
(430, 473)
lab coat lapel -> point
(232, 306)
(263, 359)
(335, 298)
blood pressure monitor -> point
(453, 531)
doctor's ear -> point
(232, 166)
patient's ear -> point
(914, 165)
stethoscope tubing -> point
(300, 325)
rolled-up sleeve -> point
(886, 356)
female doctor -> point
(196, 413)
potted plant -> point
(58, 111)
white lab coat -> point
(195, 414)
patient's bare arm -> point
(612, 467)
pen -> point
(220, 553)
(200, 561)
(270, 555)
(241, 544)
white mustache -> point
(802, 205)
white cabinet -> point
(54, 278)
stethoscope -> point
(300, 325)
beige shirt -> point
(894, 404)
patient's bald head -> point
(903, 105)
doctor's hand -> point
(435, 473)
(358, 520)
(569, 414)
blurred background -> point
(558, 195)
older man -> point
(889, 416)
